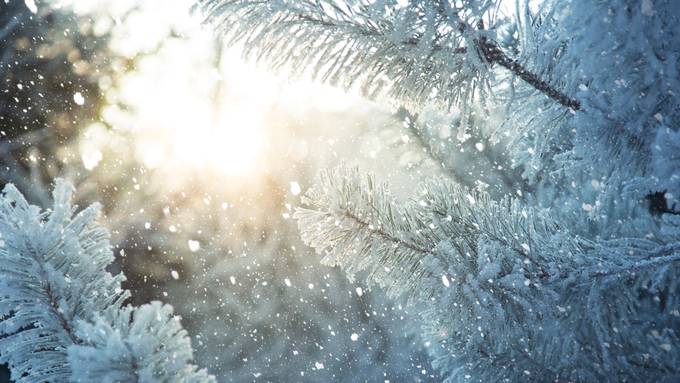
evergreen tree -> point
(571, 276)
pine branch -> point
(446, 158)
(659, 257)
(405, 53)
(422, 49)
(410, 120)
(140, 344)
(360, 227)
(529, 286)
(469, 254)
(54, 287)
(493, 54)
(354, 213)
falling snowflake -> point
(295, 188)
(78, 98)
(194, 245)
(445, 281)
(30, 4)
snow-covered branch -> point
(418, 52)
(61, 313)
(496, 282)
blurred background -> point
(199, 159)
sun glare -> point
(231, 147)
(191, 105)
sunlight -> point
(196, 105)
(201, 111)
(232, 146)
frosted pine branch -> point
(419, 52)
(60, 310)
(502, 289)
(142, 344)
(357, 225)
(347, 215)
(456, 255)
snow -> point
(91, 157)
(78, 98)
(194, 246)
(30, 4)
(295, 188)
(445, 281)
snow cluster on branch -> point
(62, 315)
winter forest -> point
(339, 191)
